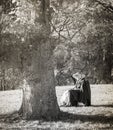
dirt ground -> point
(99, 116)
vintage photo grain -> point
(56, 64)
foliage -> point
(81, 30)
(85, 29)
(19, 31)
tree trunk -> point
(107, 64)
(39, 99)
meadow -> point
(99, 116)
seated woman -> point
(80, 93)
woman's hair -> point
(74, 80)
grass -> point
(96, 117)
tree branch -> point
(58, 32)
(109, 6)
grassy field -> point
(99, 116)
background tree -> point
(85, 28)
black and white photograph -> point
(56, 64)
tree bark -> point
(39, 99)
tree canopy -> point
(85, 28)
(80, 34)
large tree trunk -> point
(39, 88)
(39, 95)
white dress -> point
(65, 99)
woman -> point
(80, 93)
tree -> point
(84, 27)
(28, 30)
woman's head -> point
(78, 76)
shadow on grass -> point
(65, 117)
(69, 117)
(10, 118)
